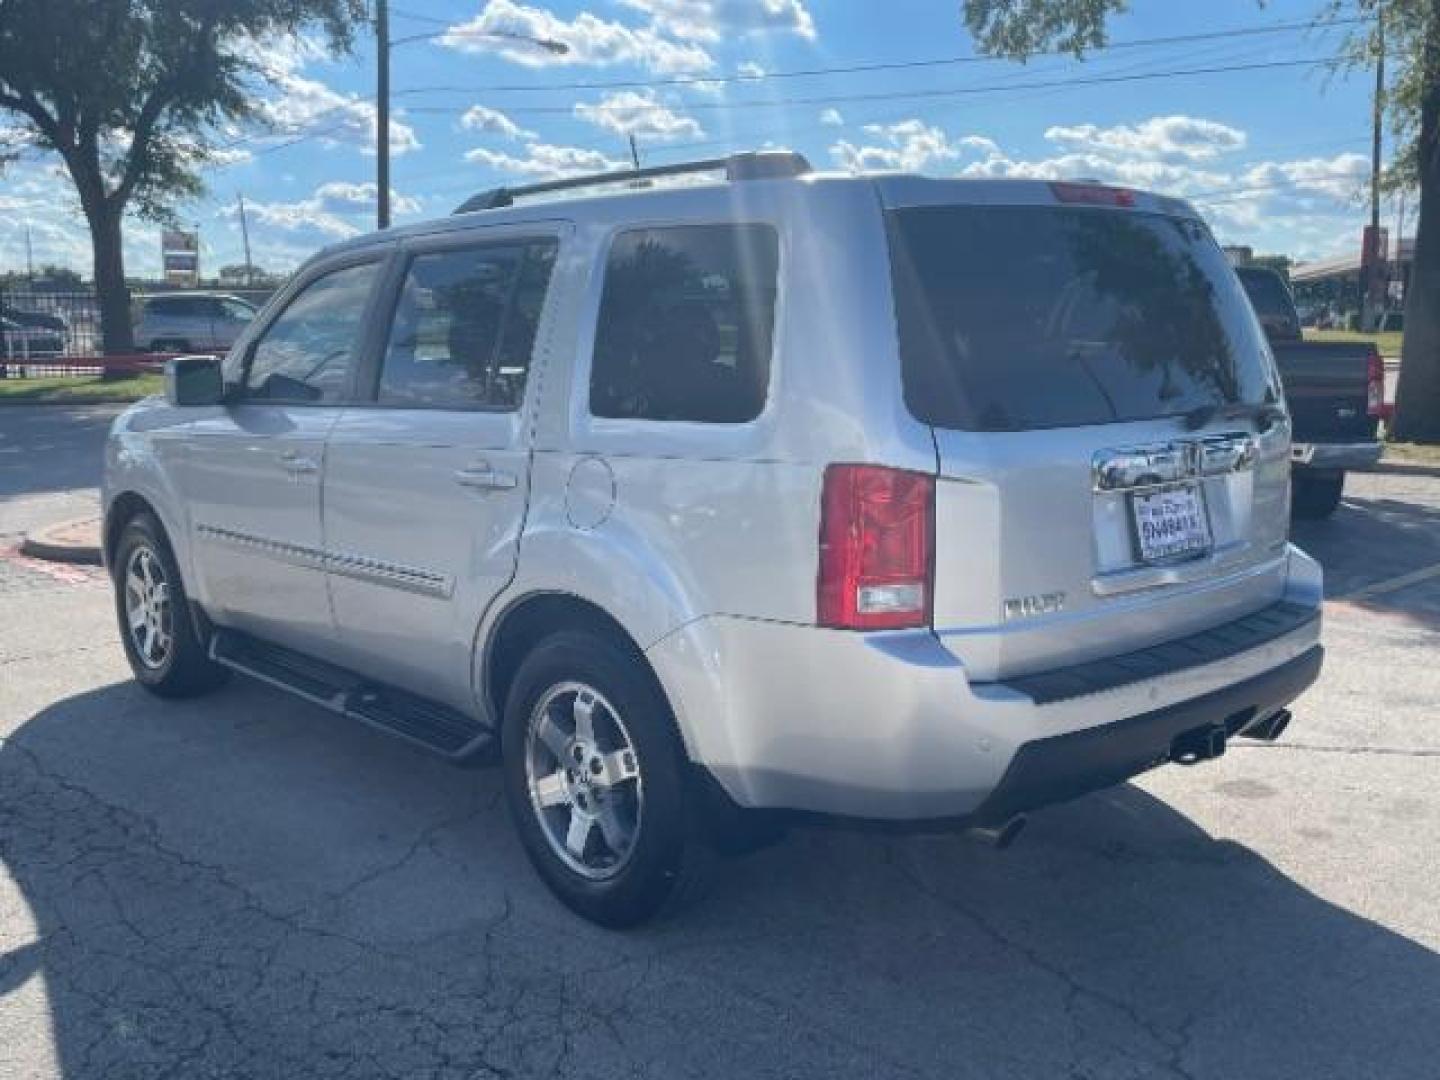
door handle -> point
(484, 478)
(297, 464)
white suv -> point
(926, 501)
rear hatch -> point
(1112, 446)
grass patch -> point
(1417, 453)
(1388, 342)
(79, 389)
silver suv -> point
(714, 505)
(184, 321)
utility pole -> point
(245, 236)
(1373, 273)
(1397, 266)
(634, 151)
(382, 114)
(29, 257)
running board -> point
(427, 723)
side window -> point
(686, 324)
(464, 327)
(305, 355)
(235, 311)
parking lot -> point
(246, 886)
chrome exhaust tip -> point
(1269, 728)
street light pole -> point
(382, 114)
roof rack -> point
(752, 165)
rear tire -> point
(165, 651)
(595, 778)
(1314, 496)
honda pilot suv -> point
(712, 505)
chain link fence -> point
(43, 330)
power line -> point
(873, 66)
(904, 95)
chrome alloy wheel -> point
(148, 613)
(584, 780)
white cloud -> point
(494, 122)
(308, 108)
(832, 118)
(544, 161)
(334, 210)
(749, 69)
(910, 145)
(1168, 138)
(712, 20)
(1339, 177)
(630, 113)
(510, 30)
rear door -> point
(426, 484)
(1112, 451)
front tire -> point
(165, 652)
(1314, 496)
(595, 780)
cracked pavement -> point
(246, 886)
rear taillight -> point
(1375, 384)
(877, 530)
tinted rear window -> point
(1268, 293)
(1016, 318)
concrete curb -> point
(68, 542)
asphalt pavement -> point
(246, 886)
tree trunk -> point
(116, 332)
(1417, 398)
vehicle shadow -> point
(1373, 540)
(245, 886)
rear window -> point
(1268, 293)
(1018, 318)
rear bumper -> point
(890, 727)
(1342, 456)
(1065, 766)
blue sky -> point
(1276, 157)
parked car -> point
(190, 321)
(1335, 391)
(612, 486)
(40, 320)
(21, 341)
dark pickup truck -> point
(1335, 391)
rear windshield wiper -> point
(1264, 414)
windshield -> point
(1015, 318)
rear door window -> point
(686, 324)
(464, 327)
(1018, 318)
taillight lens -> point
(1375, 385)
(877, 536)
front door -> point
(254, 468)
(426, 486)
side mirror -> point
(194, 381)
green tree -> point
(130, 93)
(1020, 28)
